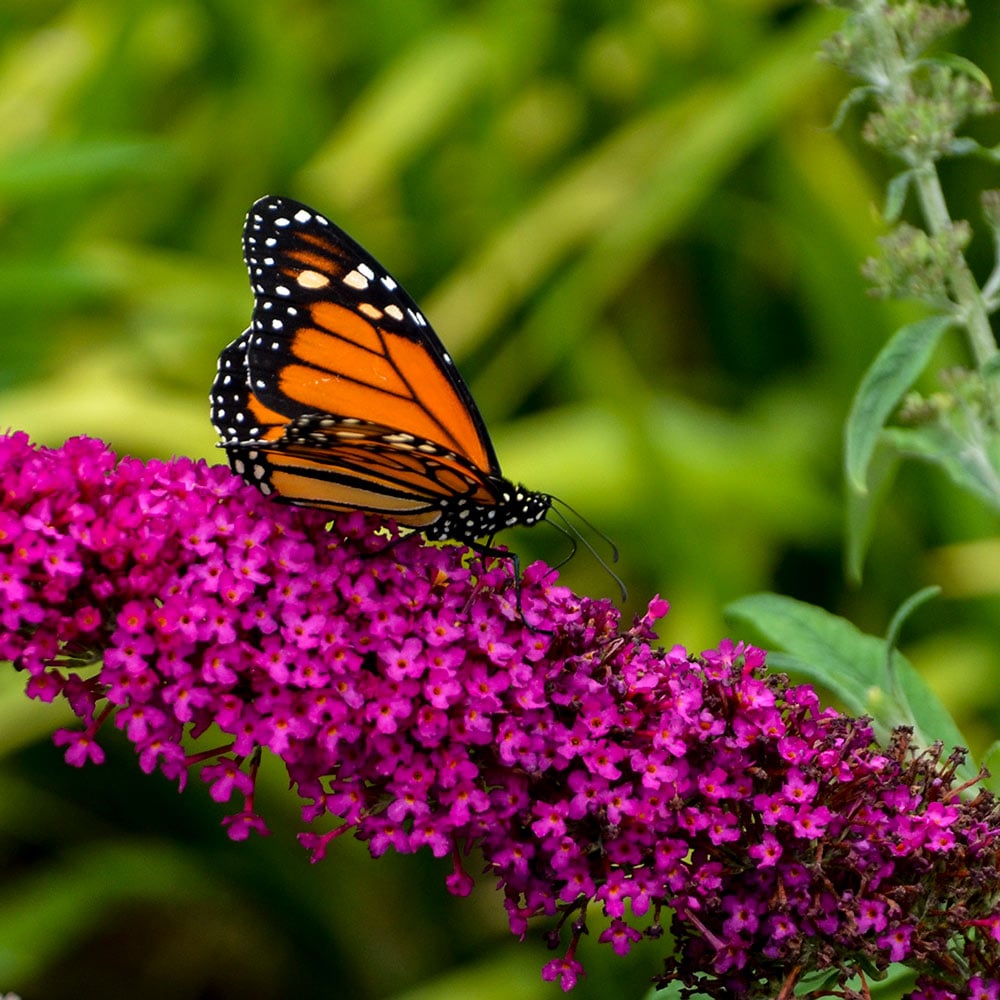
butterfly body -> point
(340, 395)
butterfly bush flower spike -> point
(602, 784)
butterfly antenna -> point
(571, 531)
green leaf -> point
(991, 761)
(968, 467)
(892, 636)
(862, 508)
(905, 610)
(967, 146)
(890, 375)
(960, 65)
(831, 651)
(856, 96)
(991, 153)
(672, 991)
(895, 196)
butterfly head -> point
(464, 520)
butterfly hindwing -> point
(375, 468)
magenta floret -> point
(408, 699)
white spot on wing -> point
(312, 279)
(354, 279)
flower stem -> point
(972, 311)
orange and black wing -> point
(333, 332)
(345, 464)
(340, 395)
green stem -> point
(971, 307)
(967, 293)
(972, 311)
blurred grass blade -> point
(412, 101)
(46, 913)
(52, 169)
(637, 204)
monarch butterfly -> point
(340, 395)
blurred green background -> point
(631, 224)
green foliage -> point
(893, 372)
(919, 103)
(869, 674)
(633, 227)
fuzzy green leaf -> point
(831, 651)
(856, 96)
(970, 468)
(991, 153)
(895, 196)
(967, 146)
(890, 375)
(862, 508)
(960, 64)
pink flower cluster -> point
(409, 698)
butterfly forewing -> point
(334, 333)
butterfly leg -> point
(488, 551)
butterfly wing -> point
(341, 396)
(333, 332)
(347, 464)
